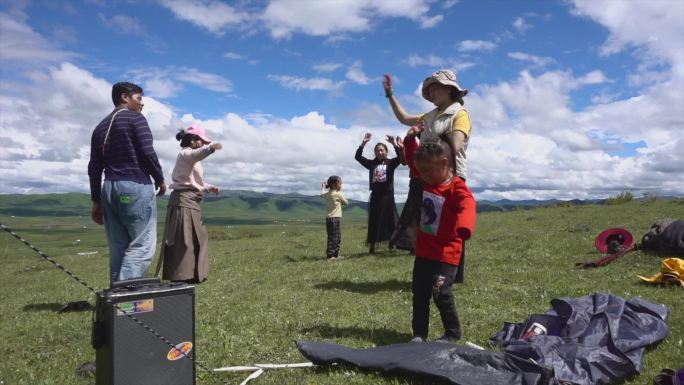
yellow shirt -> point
(462, 122)
(335, 200)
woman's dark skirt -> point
(382, 215)
(404, 235)
(184, 249)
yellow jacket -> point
(672, 271)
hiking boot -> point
(417, 339)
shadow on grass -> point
(382, 336)
(311, 258)
(57, 307)
(366, 287)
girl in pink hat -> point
(184, 252)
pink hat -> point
(446, 77)
(199, 131)
(613, 240)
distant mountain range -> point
(237, 207)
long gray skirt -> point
(184, 249)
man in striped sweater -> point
(121, 146)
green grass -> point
(270, 285)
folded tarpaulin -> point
(591, 340)
(437, 361)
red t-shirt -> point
(447, 216)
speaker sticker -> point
(135, 307)
(179, 351)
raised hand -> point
(387, 84)
(216, 146)
(415, 130)
(366, 138)
(390, 139)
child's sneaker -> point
(417, 339)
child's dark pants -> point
(332, 225)
(426, 274)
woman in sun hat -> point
(184, 252)
(450, 118)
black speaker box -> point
(129, 354)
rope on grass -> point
(258, 369)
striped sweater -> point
(128, 154)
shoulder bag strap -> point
(108, 129)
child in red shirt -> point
(447, 219)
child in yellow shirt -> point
(330, 191)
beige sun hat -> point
(446, 77)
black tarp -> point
(592, 340)
(443, 362)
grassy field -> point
(270, 285)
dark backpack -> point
(665, 235)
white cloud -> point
(449, 3)
(167, 82)
(415, 60)
(123, 24)
(462, 65)
(299, 83)
(529, 143)
(539, 61)
(233, 56)
(521, 25)
(429, 22)
(655, 25)
(593, 77)
(206, 80)
(20, 43)
(356, 75)
(213, 16)
(322, 18)
(528, 140)
(476, 45)
(326, 67)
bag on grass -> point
(666, 235)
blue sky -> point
(569, 99)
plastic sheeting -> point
(591, 340)
(454, 364)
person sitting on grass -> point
(330, 191)
(447, 220)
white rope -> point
(264, 366)
(258, 369)
(252, 376)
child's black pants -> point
(425, 275)
(332, 225)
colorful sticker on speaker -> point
(135, 307)
(179, 351)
